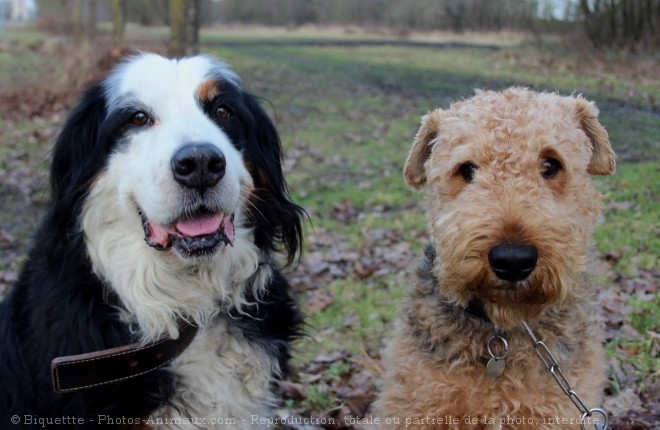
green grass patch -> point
(645, 314)
(641, 354)
(630, 232)
(350, 114)
(354, 91)
(16, 69)
(356, 321)
(347, 117)
(631, 225)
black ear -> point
(277, 221)
(78, 155)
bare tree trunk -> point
(611, 10)
(90, 28)
(177, 23)
(635, 21)
(192, 27)
(184, 27)
(118, 22)
(652, 21)
(592, 21)
(76, 16)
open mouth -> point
(201, 233)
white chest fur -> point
(220, 381)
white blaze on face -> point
(166, 90)
(191, 269)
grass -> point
(347, 117)
(630, 231)
(639, 352)
(13, 66)
(631, 223)
(645, 316)
(357, 319)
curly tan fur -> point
(435, 374)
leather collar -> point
(475, 307)
(77, 372)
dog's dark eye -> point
(222, 113)
(550, 168)
(139, 119)
(467, 171)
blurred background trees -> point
(601, 23)
(613, 23)
(621, 22)
(452, 15)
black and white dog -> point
(168, 210)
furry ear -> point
(276, 219)
(77, 157)
(602, 158)
(76, 142)
(414, 171)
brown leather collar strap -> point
(77, 372)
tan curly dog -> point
(510, 207)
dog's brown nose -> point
(198, 166)
(512, 262)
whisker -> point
(249, 203)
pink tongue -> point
(207, 224)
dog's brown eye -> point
(550, 168)
(222, 113)
(467, 171)
(139, 119)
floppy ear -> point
(73, 163)
(77, 156)
(602, 157)
(414, 171)
(277, 220)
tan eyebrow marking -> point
(208, 90)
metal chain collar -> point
(549, 361)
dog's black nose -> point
(512, 262)
(198, 165)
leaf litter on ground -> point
(336, 384)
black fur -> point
(275, 218)
(59, 307)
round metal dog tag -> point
(495, 367)
(497, 363)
